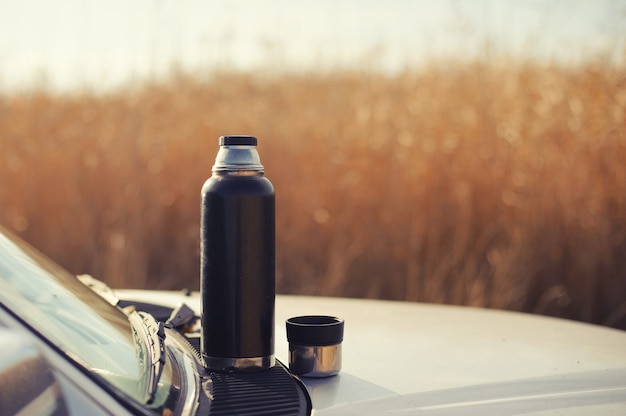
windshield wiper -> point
(149, 335)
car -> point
(72, 345)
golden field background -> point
(498, 185)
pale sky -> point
(103, 43)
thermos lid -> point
(315, 330)
(238, 141)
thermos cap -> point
(238, 141)
(315, 345)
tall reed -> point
(497, 185)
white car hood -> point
(403, 358)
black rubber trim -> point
(238, 141)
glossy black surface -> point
(238, 266)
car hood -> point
(404, 358)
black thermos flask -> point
(237, 268)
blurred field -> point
(500, 185)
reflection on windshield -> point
(66, 312)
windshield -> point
(83, 325)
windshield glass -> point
(60, 308)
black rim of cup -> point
(315, 330)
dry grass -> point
(499, 185)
